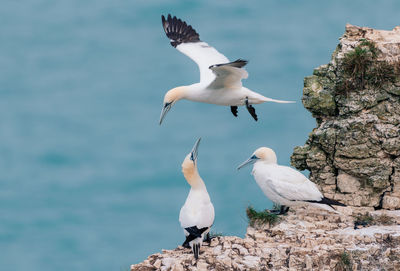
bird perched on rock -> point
(220, 80)
(197, 214)
(285, 185)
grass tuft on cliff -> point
(260, 218)
(361, 69)
(344, 262)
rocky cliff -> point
(307, 239)
(354, 152)
(353, 155)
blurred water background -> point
(88, 179)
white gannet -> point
(285, 185)
(197, 214)
(220, 80)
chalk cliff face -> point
(302, 240)
(354, 152)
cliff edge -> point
(307, 239)
(354, 152)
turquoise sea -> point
(88, 179)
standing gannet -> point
(285, 185)
(197, 214)
(220, 80)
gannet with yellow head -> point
(285, 185)
(197, 214)
(220, 80)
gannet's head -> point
(263, 154)
(189, 165)
(170, 98)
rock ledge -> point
(308, 239)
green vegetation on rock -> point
(362, 68)
(260, 218)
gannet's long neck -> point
(193, 178)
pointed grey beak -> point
(249, 161)
(194, 152)
(164, 111)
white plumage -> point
(285, 185)
(220, 80)
(197, 214)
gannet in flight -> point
(197, 214)
(220, 80)
(285, 185)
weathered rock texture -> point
(302, 240)
(354, 152)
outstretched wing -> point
(229, 75)
(184, 38)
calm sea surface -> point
(88, 179)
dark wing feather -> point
(239, 63)
(178, 31)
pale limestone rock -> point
(390, 202)
(347, 183)
(157, 264)
(251, 261)
(177, 266)
(354, 152)
(202, 266)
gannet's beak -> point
(194, 152)
(164, 111)
(249, 161)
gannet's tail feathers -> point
(195, 239)
(266, 99)
(326, 204)
(327, 201)
(332, 202)
(178, 31)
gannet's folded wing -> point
(184, 38)
(291, 184)
(229, 75)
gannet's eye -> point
(254, 157)
(167, 105)
(192, 156)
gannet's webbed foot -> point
(284, 209)
(274, 211)
(234, 110)
(186, 244)
(251, 109)
(279, 210)
(208, 238)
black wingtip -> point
(178, 31)
(328, 201)
(238, 63)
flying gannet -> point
(220, 80)
(197, 214)
(285, 185)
